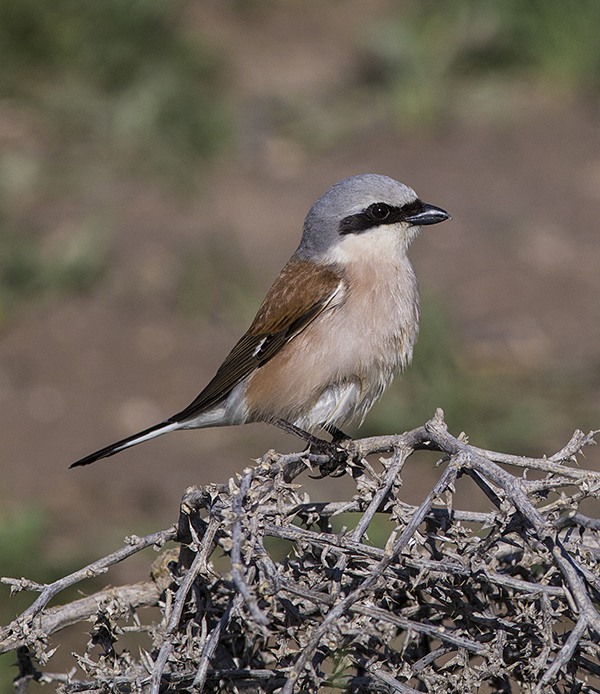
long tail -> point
(152, 432)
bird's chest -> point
(348, 354)
(376, 322)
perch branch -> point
(453, 599)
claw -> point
(317, 477)
(337, 459)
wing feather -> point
(299, 294)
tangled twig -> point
(452, 600)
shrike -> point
(340, 319)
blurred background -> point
(157, 159)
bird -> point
(338, 322)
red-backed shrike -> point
(340, 319)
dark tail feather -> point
(156, 430)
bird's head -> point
(365, 215)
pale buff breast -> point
(356, 345)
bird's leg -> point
(337, 435)
(300, 433)
(337, 455)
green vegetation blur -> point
(113, 86)
(123, 73)
(437, 59)
(23, 536)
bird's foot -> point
(336, 459)
(336, 455)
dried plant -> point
(456, 600)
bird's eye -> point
(379, 211)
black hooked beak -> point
(427, 214)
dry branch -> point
(454, 601)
